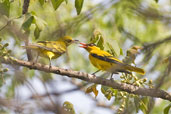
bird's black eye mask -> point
(91, 44)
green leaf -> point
(93, 89)
(78, 5)
(114, 48)
(143, 107)
(37, 32)
(97, 38)
(28, 21)
(42, 2)
(121, 51)
(136, 102)
(46, 78)
(100, 43)
(145, 100)
(104, 89)
(40, 23)
(5, 7)
(107, 91)
(111, 50)
(66, 1)
(11, 89)
(143, 104)
(56, 3)
(93, 39)
(166, 110)
(156, 1)
(68, 107)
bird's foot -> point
(111, 77)
(32, 63)
(50, 67)
(95, 72)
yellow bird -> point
(106, 62)
(51, 49)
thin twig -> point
(159, 42)
(5, 25)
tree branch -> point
(25, 6)
(26, 41)
(154, 44)
(90, 78)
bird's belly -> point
(100, 64)
(49, 54)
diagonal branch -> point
(90, 78)
(154, 44)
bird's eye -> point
(92, 44)
(69, 41)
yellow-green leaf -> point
(115, 47)
(56, 3)
(78, 5)
(157, 1)
(42, 2)
(5, 7)
(37, 32)
(98, 39)
(104, 89)
(40, 23)
(107, 91)
(111, 50)
(166, 60)
(93, 89)
(143, 107)
(95, 37)
(100, 43)
(108, 96)
(68, 107)
(66, 1)
(136, 102)
(121, 51)
(166, 110)
(28, 21)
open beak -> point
(83, 45)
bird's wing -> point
(107, 58)
(43, 42)
(58, 46)
(44, 47)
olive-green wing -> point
(39, 46)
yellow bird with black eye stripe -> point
(51, 49)
(106, 62)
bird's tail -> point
(135, 69)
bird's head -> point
(68, 40)
(89, 47)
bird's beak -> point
(75, 41)
(83, 45)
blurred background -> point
(122, 23)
